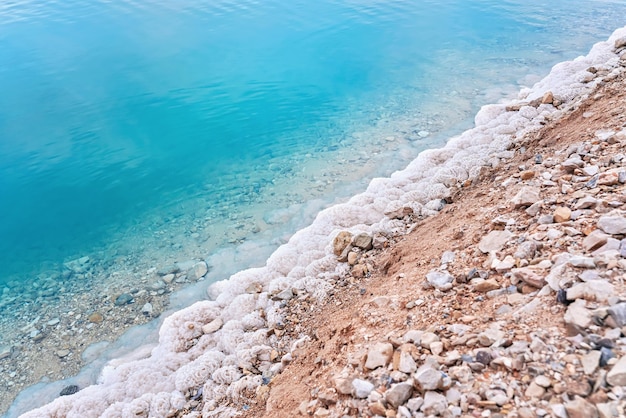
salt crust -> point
(186, 359)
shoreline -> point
(266, 289)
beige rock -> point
(580, 408)
(341, 241)
(562, 214)
(494, 241)
(485, 285)
(213, 326)
(379, 355)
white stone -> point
(578, 315)
(428, 378)
(617, 375)
(378, 355)
(494, 241)
(590, 361)
(441, 280)
(595, 290)
(213, 326)
(527, 196)
(612, 224)
(362, 388)
(406, 364)
(428, 338)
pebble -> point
(434, 403)
(95, 318)
(5, 351)
(69, 390)
(562, 214)
(123, 299)
(428, 378)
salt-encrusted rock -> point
(527, 196)
(612, 224)
(341, 241)
(590, 362)
(434, 403)
(494, 241)
(441, 280)
(197, 271)
(529, 277)
(562, 214)
(213, 326)
(578, 316)
(595, 240)
(428, 378)
(363, 241)
(378, 355)
(597, 290)
(362, 388)
(399, 394)
(580, 408)
(617, 375)
(620, 42)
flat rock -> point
(595, 240)
(197, 271)
(527, 196)
(529, 277)
(580, 408)
(123, 299)
(595, 290)
(617, 375)
(582, 261)
(399, 394)
(379, 355)
(534, 390)
(612, 224)
(5, 351)
(486, 285)
(494, 241)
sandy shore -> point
(433, 294)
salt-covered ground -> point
(222, 351)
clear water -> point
(173, 129)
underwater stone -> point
(123, 299)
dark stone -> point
(538, 159)
(593, 182)
(69, 390)
(124, 299)
(561, 297)
(605, 355)
(483, 357)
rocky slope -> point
(510, 302)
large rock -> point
(494, 241)
(379, 355)
(612, 224)
(341, 241)
(617, 375)
(399, 394)
(596, 290)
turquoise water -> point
(178, 128)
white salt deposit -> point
(186, 358)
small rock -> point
(617, 375)
(434, 403)
(490, 336)
(198, 271)
(428, 338)
(529, 277)
(581, 261)
(341, 241)
(543, 381)
(578, 317)
(590, 362)
(534, 390)
(596, 290)
(525, 197)
(485, 285)
(212, 326)
(63, 353)
(362, 241)
(95, 318)
(123, 299)
(69, 390)
(343, 385)
(362, 388)
(379, 355)
(527, 175)
(406, 364)
(5, 351)
(399, 394)
(586, 202)
(169, 269)
(580, 408)
(146, 309)
(494, 241)
(483, 357)
(428, 378)
(440, 280)
(595, 240)
(562, 214)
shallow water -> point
(117, 117)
